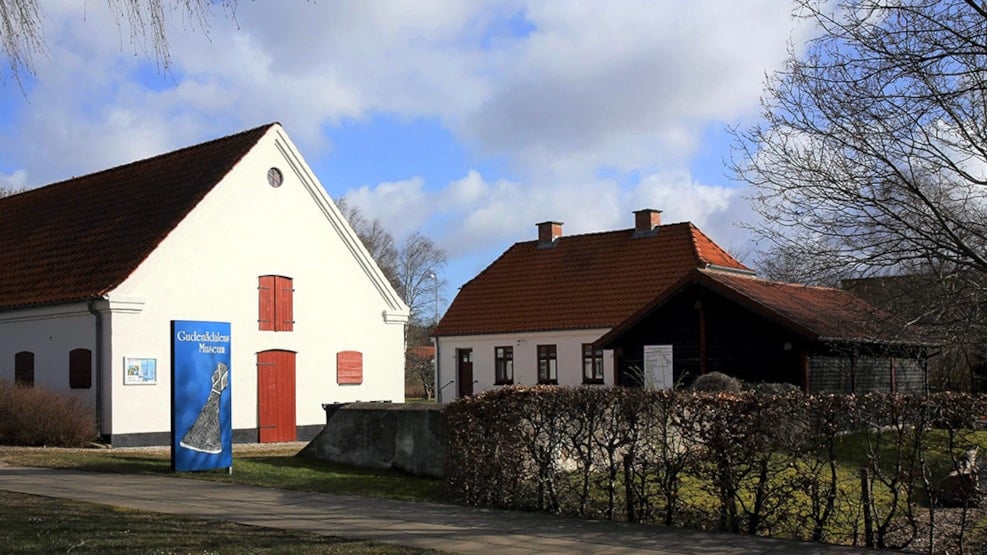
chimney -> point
(646, 222)
(548, 232)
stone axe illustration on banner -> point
(205, 433)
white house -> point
(238, 230)
(532, 316)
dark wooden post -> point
(701, 309)
(894, 376)
(804, 363)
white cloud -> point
(401, 206)
(626, 86)
(472, 215)
(630, 84)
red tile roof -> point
(80, 238)
(586, 281)
(818, 313)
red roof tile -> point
(586, 281)
(818, 313)
(80, 238)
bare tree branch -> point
(872, 157)
(146, 21)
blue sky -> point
(467, 121)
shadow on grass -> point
(274, 471)
(305, 474)
(34, 524)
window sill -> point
(552, 382)
(593, 382)
(505, 383)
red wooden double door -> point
(276, 396)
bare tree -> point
(873, 151)
(419, 262)
(6, 191)
(22, 27)
(872, 159)
(414, 270)
(418, 269)
(378, 241)
(419, 361)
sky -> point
(466, 121)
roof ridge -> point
(773, 281)
(142, 160)
(605, 232)
(588, 234)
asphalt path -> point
(424, 525)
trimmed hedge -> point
(861, 470)
(35, 416)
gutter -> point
(98, 319)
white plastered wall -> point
(569, 350)
(50, 332)
(208, 268)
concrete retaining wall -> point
(406, 437)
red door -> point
(276, 396)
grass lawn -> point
(31, 524)
(34, 524)
(269, 465)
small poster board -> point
(658, 367)
(140, 371)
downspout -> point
(98, 317)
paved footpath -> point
(423, 525)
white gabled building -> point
(239, 229)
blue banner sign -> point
(201, 415)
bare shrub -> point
(35, 416)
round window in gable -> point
(274, 177)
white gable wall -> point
(568, 351)
(208, 268)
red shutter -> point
(283, 304)
(80, 369)
(349, 367)
(265, 295)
